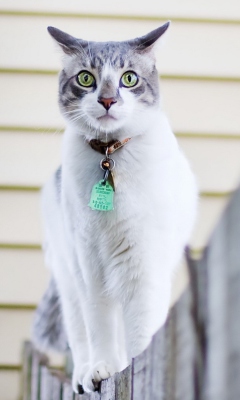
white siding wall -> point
(200, 68)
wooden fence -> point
(195, 356)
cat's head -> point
(107, 88)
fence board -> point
(56, 388)
(38, 359)
(222, 259)
(108, 389)
(123, 384)
(180, 342)
(67, 391)
(27, 365)
(46, 383)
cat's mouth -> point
(106, 117)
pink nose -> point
(107, 102)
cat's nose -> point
(107, 102)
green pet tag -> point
(102, 197)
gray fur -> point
(48, 329)
(58, 183)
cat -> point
(119, 211)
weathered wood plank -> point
(184, 338)
(222, 259)
(56, 387)
(233, 323)
(46, 383)
(38, 359)
(67, 392)
(141, 376)
(123, 384)
(27, 366)
(108, 389)
(199, 284)
(92, 396)
(172, 358)
(157, 371)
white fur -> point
(114, 269)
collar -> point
(107, 147)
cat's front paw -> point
(78, 375)
(98, 372)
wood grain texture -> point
(67, 393)
(26, 365)
(123, 384)
(38, 359)
(108, 389)
(56, 388)
(46, 384)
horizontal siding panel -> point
(18, 267)
(215, 162)
(10, 385)
(190, 49)
(185, 8)
(28, 159)
(184, 101)
(35, 103)
(15, 328)
(21, 218)
(209, 212)
(202, 106)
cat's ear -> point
(69, 44)
(147, 42)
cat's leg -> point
(69, 284)
(145, 312)
(76, 332)
(100, 314)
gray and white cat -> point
(113, 236)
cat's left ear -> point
(148, 41)
(69, 44)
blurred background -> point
(200, 82)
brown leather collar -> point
(107, 147)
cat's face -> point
(106, 87)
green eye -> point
(129, 79)
(86, 79)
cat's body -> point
(113, 269)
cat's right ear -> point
(69, 44)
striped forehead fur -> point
(104, 58)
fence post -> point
(38, 360)
(27, 366)
(67, 393)
(56, 386)
(123, 384)
(46, 384)
(108, 389)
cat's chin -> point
(106, 118)
(107, 125)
